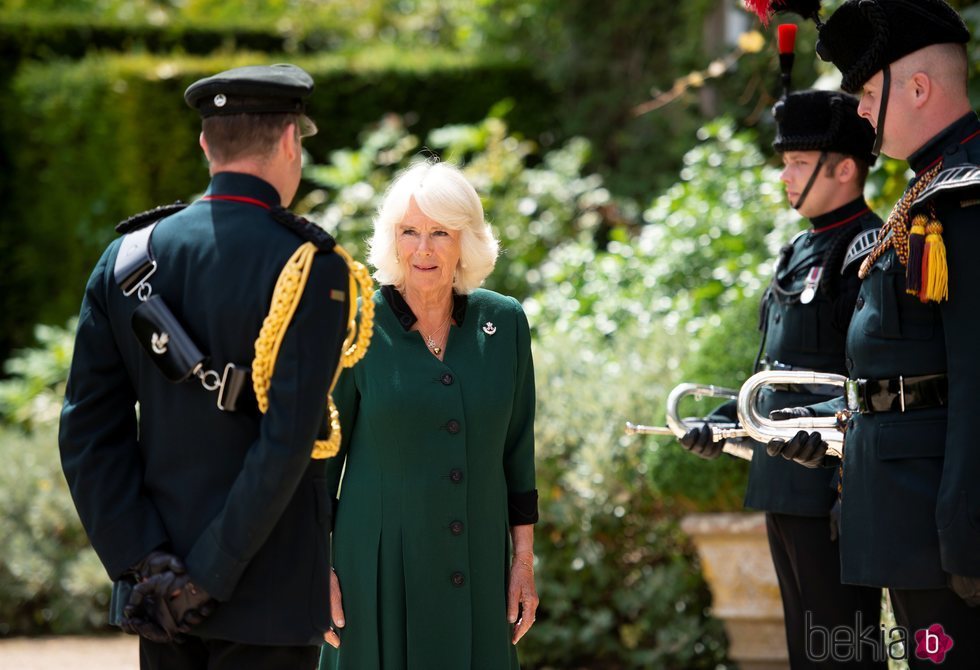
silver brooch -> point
(220, 100)
(489, 328)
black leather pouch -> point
(165, 340)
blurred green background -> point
(622, 151)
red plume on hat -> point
(808, 9)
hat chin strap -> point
(886, 87)
(810, 182)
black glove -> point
(147, 615)
(967, 588)
(156, 562)
(189, 604)
(807, 449)
(791, 413)
(699, 441)
(835, 520)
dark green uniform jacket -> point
(235, 494)
(436, 453)
(809, 336)
(911, 482)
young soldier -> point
(910, 500)
(826, 151)
(197, 503)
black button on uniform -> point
(453, 426)
(859, 303)
(446, 379)
(457, 579)
(456, 528)
(456, 475)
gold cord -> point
(898, 225)
(285, 299)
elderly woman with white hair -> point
(433, 537)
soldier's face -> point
(798, 167)
(901, 125)
(427, 251)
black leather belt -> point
(896, 395)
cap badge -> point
(220, 100)
(489, 328)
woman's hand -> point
(336, 612)
(522, 597)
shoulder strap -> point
(860, 247)
(960, 178)
(305, 228)
(135, 261)
(144, 219)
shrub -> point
(51, 581)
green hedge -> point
(85, 144)
(42, 36)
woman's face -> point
(428, 252)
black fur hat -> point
(863, 36)
(822, 121)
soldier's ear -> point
(846, 170)
(289, 141)
(204, 146)
(921, 86)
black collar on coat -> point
(949, 139)
(406, 317)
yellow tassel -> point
(935, 282)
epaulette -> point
(860, 247)
(305, 228)
(963, 178)
(144, 219)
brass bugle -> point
(763, 429)
(677, 427)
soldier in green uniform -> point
(910, 501)
(196, 502)
(826, 151)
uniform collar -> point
(244, 185)
(841, 216)
(948, 140)
(406, 317)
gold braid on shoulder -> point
(285, 299)
(918, 244)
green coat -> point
(439, 464)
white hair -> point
(447, 197)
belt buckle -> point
(853, 389)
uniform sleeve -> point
(347, 399)
(277, 460)
(850, 286)
(519, 449)
(958, 506)
(98, 439)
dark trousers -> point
(814, 600)
(916, 610)
(198, 654)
